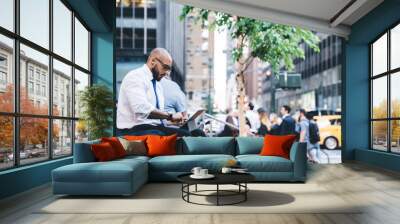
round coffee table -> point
(238, 179)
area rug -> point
(166, 198)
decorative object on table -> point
(230, 170)
(239, 180)
(231, 163)
(200, 173)
(97, 105)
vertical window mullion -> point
(389, 100)
(16, 84)
(50, 81)
(73, 83)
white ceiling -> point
(327, 16)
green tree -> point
(97, 103)
(275, 44)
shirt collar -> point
(147, 72)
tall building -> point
(320, 79)
(199, 42)
(142, 25)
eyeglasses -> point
(164, 66)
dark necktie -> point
(154, 81)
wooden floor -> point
(378, 189)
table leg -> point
(217, 194)
(245, 193)
(196, 187)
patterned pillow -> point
(134, 147)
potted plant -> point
(96, 102)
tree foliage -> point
(33, 131)
(97, 103)
(276, 44)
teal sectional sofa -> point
(125, 176)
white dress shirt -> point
(137, 99)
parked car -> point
(330, 130)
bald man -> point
(141, 100)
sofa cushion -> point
(207, 145)
(249, 145)
(116, 145)
(112, 171)
(257, 163)
(185, 163)
(277, 145)
(161, 145)
(103, 152)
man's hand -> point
(177, 117)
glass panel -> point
(379, 97)
(379, 135)
(379, 56)
(81, 81)
(6, 74)
(395, 94)
(62, 89)
(33, 139)
(35, 21)
(395, 136)
(81, 45)
(6, 142)
(62, 138)
(81, 131)
(34, 72)
(7, 14)
(62, 29)
(395, 47)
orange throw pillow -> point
(103, 152)
(161, 145)
(136, 137)
(277, 145)
(116, 145)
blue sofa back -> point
(249, 145)
(193, 146)
(206, 145)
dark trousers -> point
(144, 129)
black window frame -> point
(16, 115)
(388, 75)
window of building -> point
(127, 37)
(54, 125)
(385, 97)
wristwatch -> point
(169, 116)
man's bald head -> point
(160, 63)
(162, 54)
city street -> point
(330, 156)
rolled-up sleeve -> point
(135, 91)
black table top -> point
(220, 178)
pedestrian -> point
(288, 125)
(304, 128)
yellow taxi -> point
(330, 130)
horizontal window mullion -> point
(385, 73)
(38, 116)
(41, 49)
(84, 70)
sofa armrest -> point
(298, 155)
(83, 152)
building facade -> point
(321, 80)
(199, 53)
(142, 25)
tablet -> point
(194, 116)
